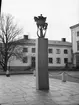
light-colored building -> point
(59, 53)
(75, 44)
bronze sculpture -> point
(41, 25)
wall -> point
(17, 62)
(61, 55)
(74, 38)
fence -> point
(64, 76)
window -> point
(33, 50)
(78, 33)
(78, 45)
(65, 60)
(50, 50)
(65, 51)
(57, 51)
(25, 60)
(33, 59)
(50, 60)
(58, 60)
(71, 51)
(25, 49)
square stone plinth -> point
(42, 81)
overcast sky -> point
(61, 14)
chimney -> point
(26, 37)
(63, 39)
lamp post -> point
(42, 82)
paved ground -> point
(21, 90)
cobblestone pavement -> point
(21, 90)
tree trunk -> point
(5, 64)
(5, 67)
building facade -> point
(59, 53)
(75, 44)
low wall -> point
(19, 68)
(53, 68)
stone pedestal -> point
(63, 77)
(7, 73)
(42, 79)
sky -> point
(61, 14)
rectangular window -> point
(25, 49)
(57, 51)
(33, 50)
(78, 33)
(65, 51)
(65, 60)
(50, 60)
(50, 50)
(78, 45)
(58, 60)
(25, 59)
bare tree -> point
(9, 32)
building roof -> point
(59, 43)
(50, 42)
(74, 26)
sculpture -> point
(41, 25)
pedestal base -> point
(7, 73)
(42, 80)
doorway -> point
(33, 62)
